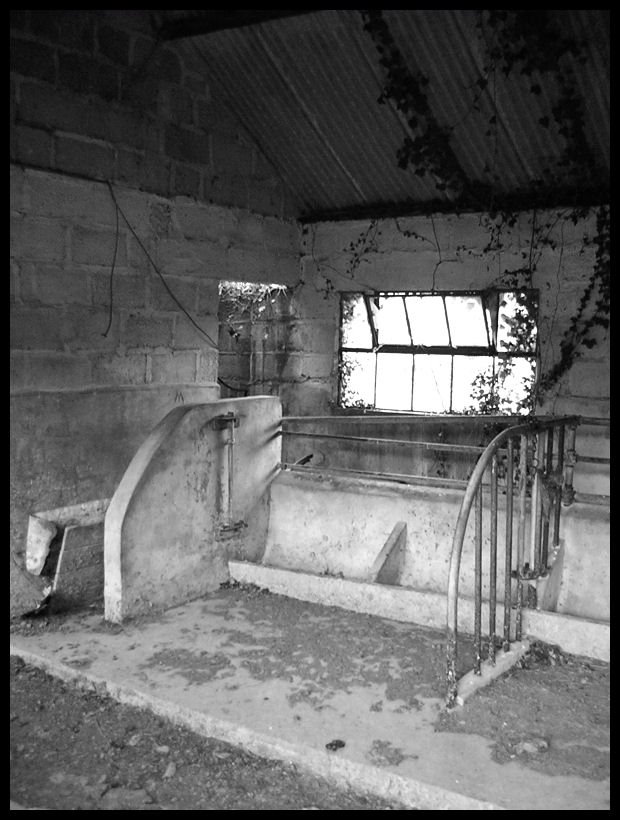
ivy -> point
(428, 150)
(592, 312)
(527, 44)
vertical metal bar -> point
(544, 556)
(478, 583)
(535, 505)
(493, 561)
(559, 472)
(231, 446)
(521, 529)
(568, 493)
(508, 551)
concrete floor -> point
(287, 679)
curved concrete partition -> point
(176, 517)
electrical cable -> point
(107, 330)
(158, 272)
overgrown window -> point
(450, 352)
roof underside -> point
(306, 87)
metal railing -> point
(537, 461)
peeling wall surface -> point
(165, 527)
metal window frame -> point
(490, 350)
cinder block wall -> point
(100, 351)
(461, 252)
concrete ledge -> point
(577, 636)
(345, 773)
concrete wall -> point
(165, 528)
(100, 350)
(338, 526)
(462, 252)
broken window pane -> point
(357, 380)
(355, 328)
(431, 383)
(391, 321)
(467, 322)
(516, 328)
(467, 370)
(394, 381)
(445, 378)
(427, 318)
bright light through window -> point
(453, 352)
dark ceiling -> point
(486, 110)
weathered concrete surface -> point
(284, 678)
(71, 446)
(585, 586)
(578, 636)
(163, 529)
(341, 523)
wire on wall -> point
(155, 268)
(116, 236)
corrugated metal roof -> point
(306, 88)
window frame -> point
(490, 303)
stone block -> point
(128, 292)
(82, 156)
(33, 59)
(173, 368)
(187, 181)
(187, 335)
(56, 371)
(206, 367)
(52, 195)
(116, 369)
(95, 246)
(590, 380)
(146, 330)
(86, 75)
(37, 328)
(61, 286)
(31, 146)
(85, 327)
(187, 146)
(184, 291)
(206, 222)
(38, 239)
(113, 44)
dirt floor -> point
(77, 750)
(551, 712)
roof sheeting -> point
(306, 88)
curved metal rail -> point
(545, 476)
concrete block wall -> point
(462, 252)
(96, 102)
(281, 346)
(94, 93)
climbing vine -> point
(529, 45)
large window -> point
(451, 352)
